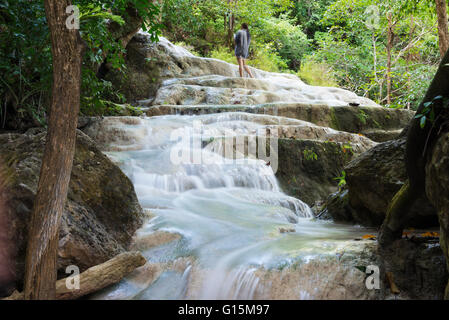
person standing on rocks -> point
(242, 41)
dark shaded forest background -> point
(382, 49)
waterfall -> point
(228, 208)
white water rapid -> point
(236, 232)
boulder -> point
(336, 207)
(308, 168)
(101, 213)
(418, 268)
(437, 190)
(373, 179)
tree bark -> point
(6, 244)
(443, 28)
(96, 278)
(415, 160)
(409, 80)
(67, 49)
(376, 76)
(101, 276)
(231, 24)
(390, 36)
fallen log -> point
(393, 287)
(96, 278)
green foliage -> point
(326, 42)
(355, 47)
(252, 11)
(310, 155)
(223, 53)
(341, 180)
(266, 58)
(288, 40)
(196, 23)
(347, 149)
(428, 112)
(308, 15)
(363, 117)
(317, 74)
(26, 62)
(263, 57)
(107, 108)
(95, 19)
(276, 44)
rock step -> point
(379, 124)
(189, 94)
(128, 133)
(275, 88)
(219, 81)
(351, 143)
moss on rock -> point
(307, 168)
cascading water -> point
(233, 220)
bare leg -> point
(247, 68)
(240, 62)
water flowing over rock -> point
(102, 211)
(191, 85)
(378, 124)
(170, 80)
(229, 167)
(208, 77)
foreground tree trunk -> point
(67, 48)
(419, 142)
(96, 278)
(443, 28)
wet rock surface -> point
(381, 125)
(373, 179)
(418, 267)
(307, 168)
(102, 211)
(437, 190)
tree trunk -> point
(390, 36)
(230, 35)
(409, 80)
(99, 277)
(67, 49)
(230, 24)
(6, 245)
(376, 77)
(415, 160)
(96, 278)
(443, 29)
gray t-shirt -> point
(242, 41)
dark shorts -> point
(239, 54)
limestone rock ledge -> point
(101, 214)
